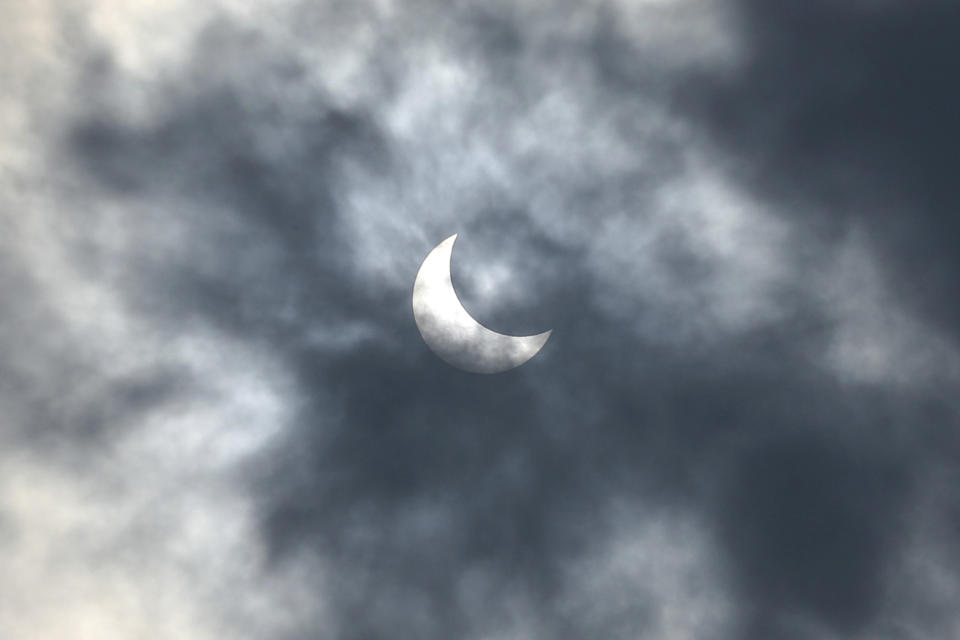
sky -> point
(737, 217)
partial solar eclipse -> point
(452, 333)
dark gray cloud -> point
(846, 106)
(723, 438)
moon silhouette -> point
(452, 333)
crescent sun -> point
(452, 333)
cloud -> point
(843, 109)
(224, 421)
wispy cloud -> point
(220, 420)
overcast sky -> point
(737, 216)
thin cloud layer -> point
(223, 421)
